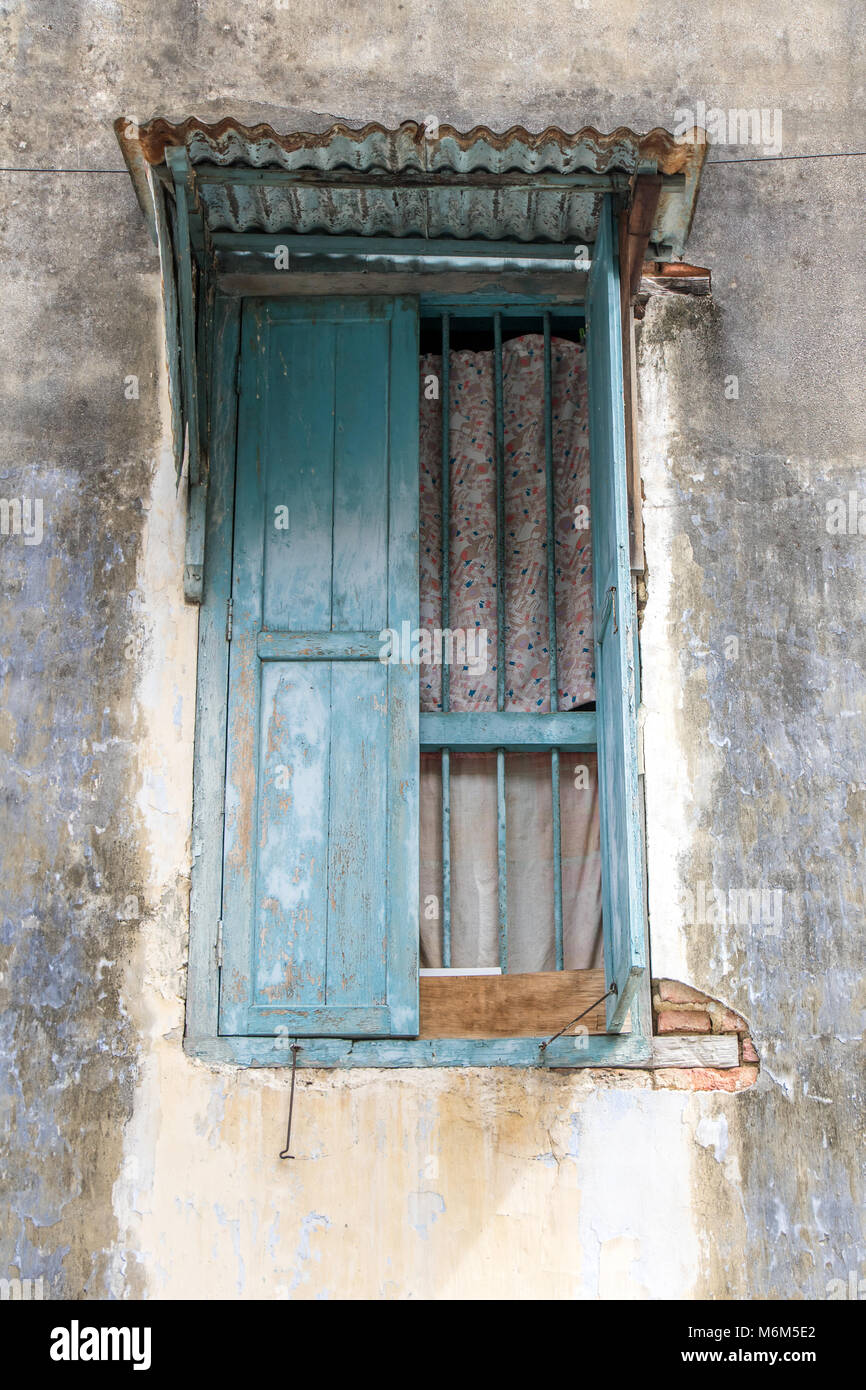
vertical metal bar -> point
(557, 861)
(501, 837)
(445, 491)
(551, 520)
(445, 496)
(553, 663)
(501, 850)
(500, 513)
(446, 858)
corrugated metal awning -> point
(418, 181)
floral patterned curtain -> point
(473, 610)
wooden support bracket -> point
(193, 572)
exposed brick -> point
(728, 1022)
(677, 1021)
(704, 1078)
(672, 992)
(749, 1053)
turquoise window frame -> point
(202, 1038)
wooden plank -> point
(404, 603)
(213, 653)
(720, 1051)
(321, 865)
(477, 732)
(683, 279)
(318, 646)
(355, 844)
(193, 576)
(297, 433)
(243, 730)
(635, 227)
(361, 449)
(587, 1050)
(622, 892)
(289, 866)
(678, 270)
(171, 319)
(509, 1006)
(324, 1021)
(559, 287)
(635, 489)
(179, 163)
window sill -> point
(584, 1050)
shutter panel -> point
(622, 890)
(320, 895)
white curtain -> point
(474, 874)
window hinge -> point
(219, 944)
(230, 608)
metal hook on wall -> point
(295, 1050)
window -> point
(504, 452)
(313, 553)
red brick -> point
(749, 1053)
(672, 992)
(704, 1078)
(729, 1022)
(678, 1021)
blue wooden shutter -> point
(320, 897)
(622, 889)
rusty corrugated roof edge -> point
(417, 149)
(410, 145)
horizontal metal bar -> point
(506, 302)
(371, 179)
(395, 263)
(514, 732)
(318, 646)
(451, 247)
(458, 971)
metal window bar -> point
(501, 622)
(550, 498)
(445, 496)
(553, 665)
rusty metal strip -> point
(412, 144)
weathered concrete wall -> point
(135, 1171)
